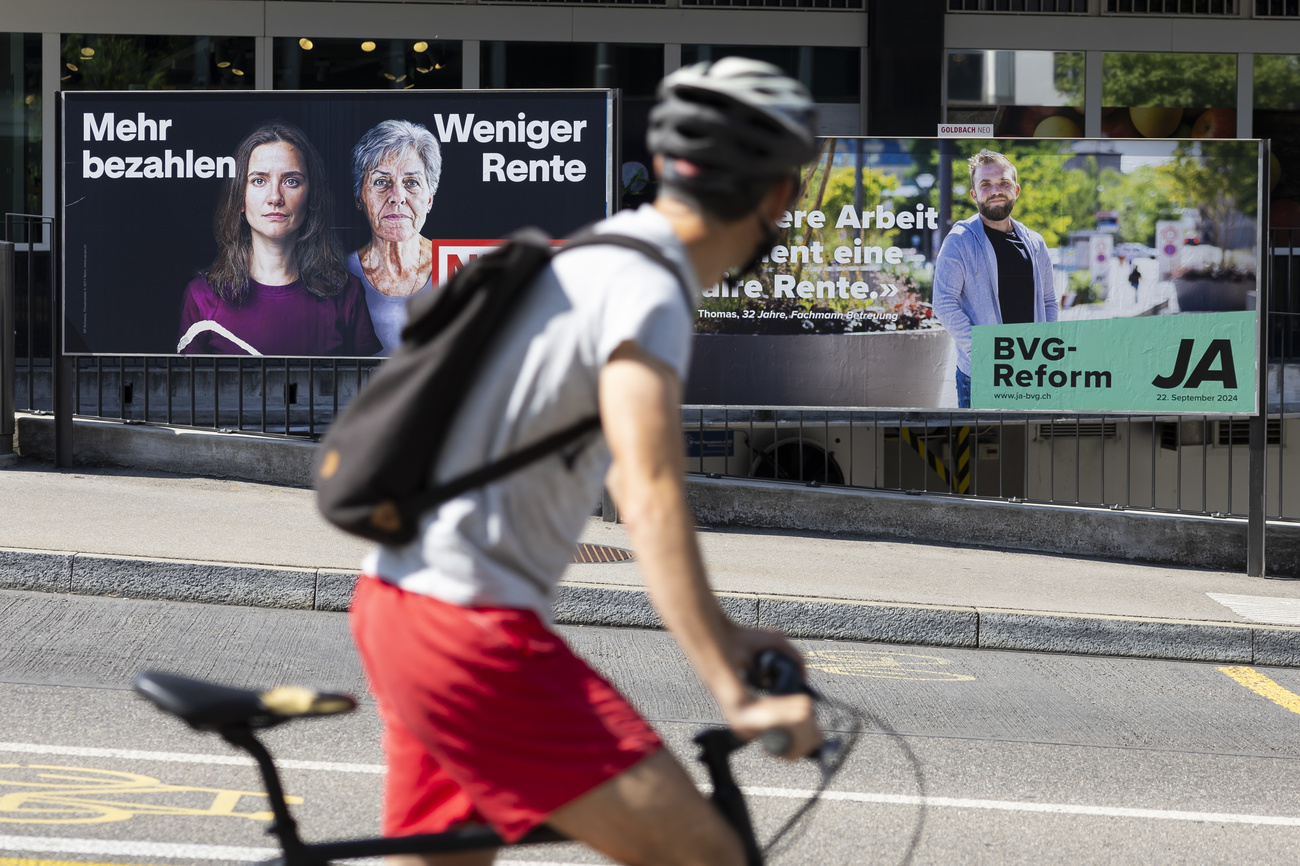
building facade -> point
(884, 67)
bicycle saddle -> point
(207, 706)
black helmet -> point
(738, 124)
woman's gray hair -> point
(388, 139)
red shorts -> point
(488, 715)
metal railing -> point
(1169, 464)
(1195, 465)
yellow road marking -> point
(7, 861)
(49, 794)
(885, 665)
(1264, 687)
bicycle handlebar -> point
(778, 674)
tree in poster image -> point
(1221, 183)
(1141, 198)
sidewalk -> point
(153, 535)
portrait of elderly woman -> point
(395, 171)
(278, 285)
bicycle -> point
(235, 714)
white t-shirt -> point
(506, 544)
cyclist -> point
(488, 716)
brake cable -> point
(853, 722)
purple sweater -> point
(277, 320)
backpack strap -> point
(566, 435)
(645, 248)
(512, 462)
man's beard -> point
(998, 211)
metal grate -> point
(600, 553)
(1080, 429)
(1194, 8)
(1237, 432)
(1069, 7)
(1277, 8)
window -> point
(1022, 93)
(832, 74)
(1277, 116)
(1172, 7)
(1277, 8)
(1072, 6)
(780, 4)
(20, 131)
(634, 68)
(92, 62)
(364, 64)
(1147, 95)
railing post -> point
(1257, 500)
(61, 367)
(7, 339)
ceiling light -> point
(305, 44)
(367, 46)
(87, 52)
(421, 47)
(423, 69)
(237, 71)
(31, 97)
(403, 78)
(223, 64)
(437, 66)
(409, 86)
(390, 76)
(71, 66)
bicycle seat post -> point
(284, 827)
(716, 746)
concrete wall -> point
(1125, 535)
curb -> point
(579, 603)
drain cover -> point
(600, 553)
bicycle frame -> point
(716, 746)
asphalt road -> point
(970, 757)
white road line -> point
(185, 758)
(235, 853)
(1019, 806)
(47, 845)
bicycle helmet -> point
(730, 128)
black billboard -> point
(274, 223)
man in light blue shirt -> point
(991, 269)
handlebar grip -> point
(779, 674)
(776, 741)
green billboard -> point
(1176, 364)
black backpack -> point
(376, 460)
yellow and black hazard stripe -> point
(957, 477)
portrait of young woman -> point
(278, 285)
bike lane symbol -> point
(51, 794)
